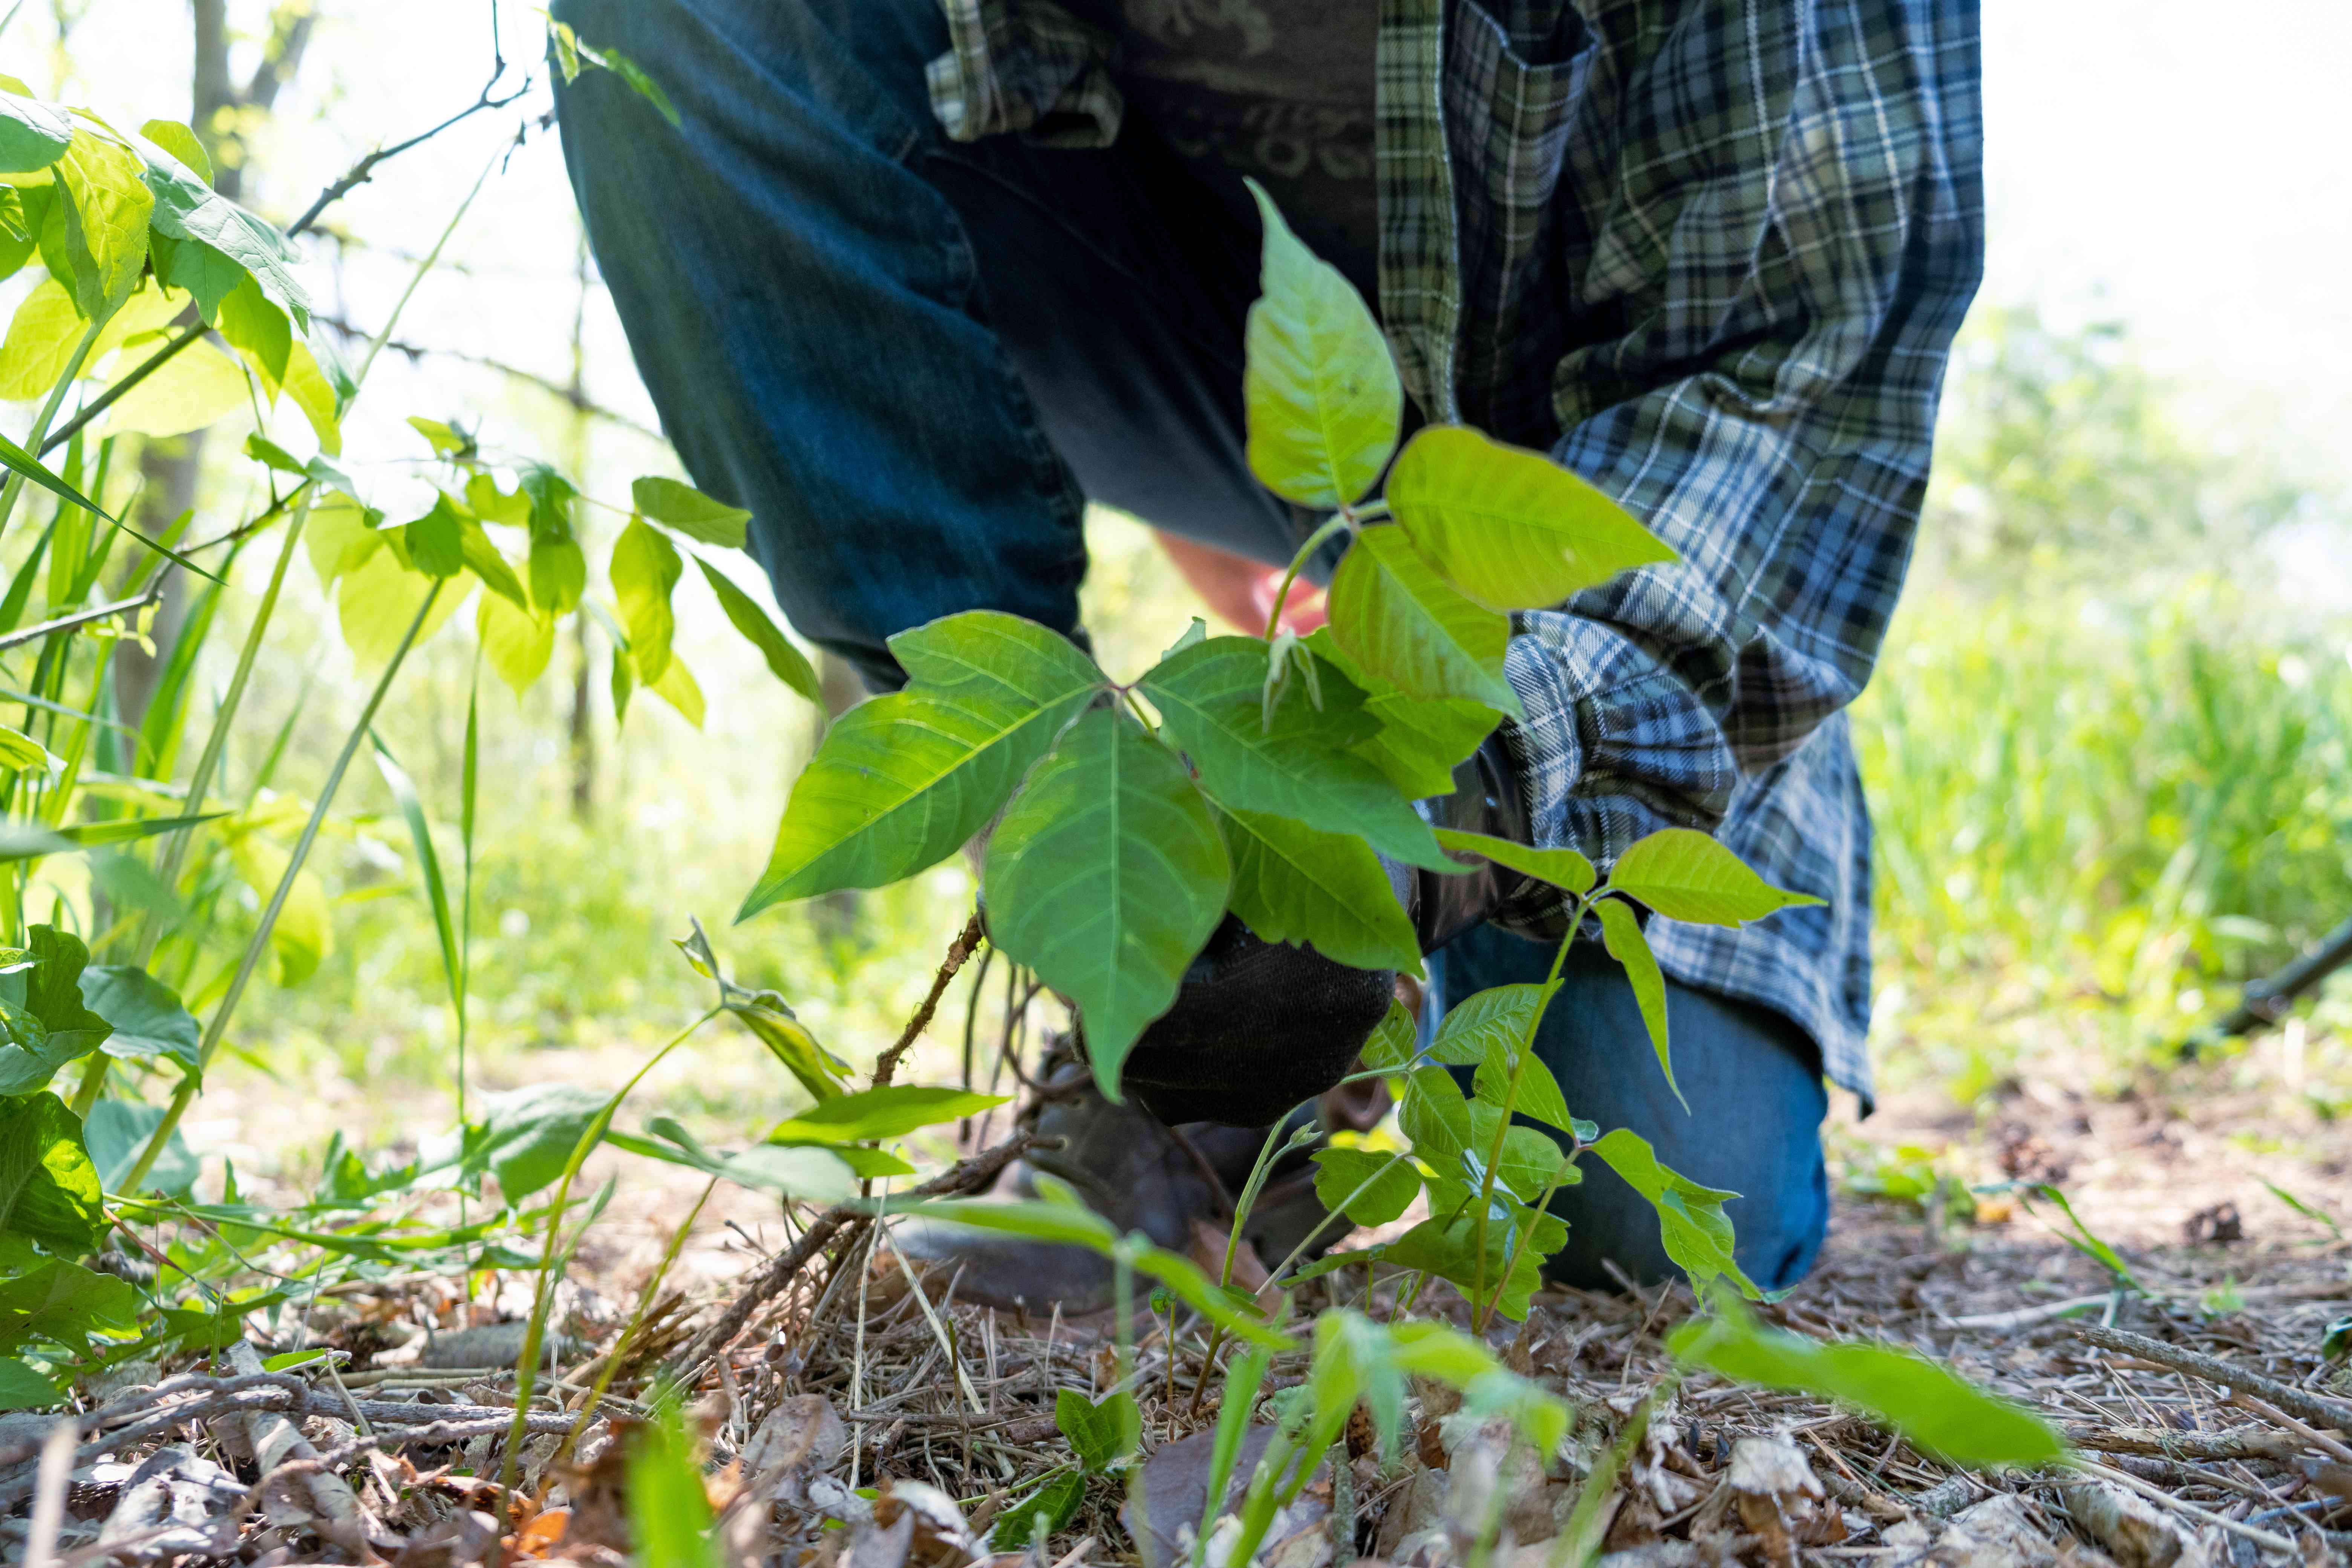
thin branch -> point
(2297, 1402)
(83, 617)
(967, 941)
(577, 400)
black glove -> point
(1486, 799)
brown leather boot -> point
(1135, 1170)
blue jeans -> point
(914, 360)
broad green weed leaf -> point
(1321, 393)
(1936, 1410)
(1394, 1043)
(180, 143)
(491, 504)
(1100, 1434)
(105, 203)
(377, 602)
(1296, 766)
(1691, 1221)
(436, 542)
(116, 1134)
(528, 1135)
(258, 330)
(33, 134)
(1559, 868)
(890, 1112)
(62, 1303)
(901, 781)
(51, 990)
(517, 642)
(1370, 1188)
(148, 1018)
(688, 510)
(1500, 1025)
(792, 1172)
(645, 568)
(443, 440)
(1685, 875)
(1476, 1022)
(1531, 1163)
(305, 933)
(669, 1511)
(787, 663)
(189, 210)
(486, 561)
(1396, 617)
(1041, 1514)
(1419, 741)
(1299, 884)
(1449, 1249)
(558, 570)
(15, 457)
(1621, 933)
(1106, 875)
(41, 338)
(1435, 1115)
(49, 1188)
(198, 387)
(22, 1388)
(774, 1024)
(677, 688)
(1509, 527)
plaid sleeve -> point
(1026, 66)
(1786, 271)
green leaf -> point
(188, 209)
(51, 990)
(147, 1017)
(21, 753)
(33, 134)
(787, 663)
(1449, 1249)
(1435, 1116)
(489, 562)
(1509, 527)
(1497, 1022)
(1321, 393)
(1397, 617)
(890, 1112)
(901, 781)
(436, 542)
(377, 600)
(1685, 875)
(1100, 1434)
(180, 143)
(1299, 884)
(1040, 1515)
(269, 454)
(117, 1132)
(518, 643)
(1559, 868)
(1296, 765)
(30, 840)
(677, 686)
(688, 510)
(444, 440)
(669, 1511)
(1936, 1410)
(1106, 875)
(1370, 1188)
(1071, 1222)
(795, 1172)
(22, 1388)
(775, 1026)
(2081, 1237)
(1531, 1162)
(105, 204)
(1620, 933)
(1691, 1221)
(645, 568)
(491, 504)
(558, 570)
(1394, 1043)
(62, 1303)
(428, 861)
(49, 1188)
(527, 1135)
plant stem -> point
(1298, 564)
(261, 939)
(93, 1080)
(552, 1257)
(39, 433)
(1300, 1250)
(176, 847)
(1485, 1309)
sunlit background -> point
(2108, 748)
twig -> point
(2227, 1374)
(83, 617)
(357, 175)
(2156, 1442)
(2319, 1440)
(966, 942)
(2163, 1498)
(275, 1441)
(965, 1175)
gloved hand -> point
(1259, 1026)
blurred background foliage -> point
(2109, 748)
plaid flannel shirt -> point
(1710, 254)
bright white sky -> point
(2144, 162)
